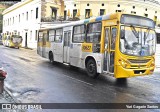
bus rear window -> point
(40, 36)
(94, 32)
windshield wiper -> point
(136, 33)
(146, 35)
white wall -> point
(23, 26)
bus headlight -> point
(152, 63)
(123, 63)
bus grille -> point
(139, 71)
(139, 61)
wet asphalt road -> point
(32, 79)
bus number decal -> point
(87, 48)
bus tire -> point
(92, 68)
(51, 57)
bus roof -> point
(85, 21)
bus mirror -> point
(122, 34)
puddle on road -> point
(30, 91)
(24, 91)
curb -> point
(11, 95)
(27, 48)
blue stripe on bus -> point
(99, 18)
(86, 21)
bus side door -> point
(66, 47)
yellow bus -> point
(12, 41)
(119, 44)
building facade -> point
(26, 18)
(91, 8)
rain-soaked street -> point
(32, 79)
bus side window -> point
(45, 38)
(51, 35)
(58, 36)
(94, 32)
(113, 39)
(79, 33)
(106, 38)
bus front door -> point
(66, 47)
(109, 51)
(106, 50)
(112, 48)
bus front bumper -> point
(126, 73)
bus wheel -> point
(92, 68)
(51, 57)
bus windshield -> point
(16, 39)
(137, 41)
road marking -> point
(79, 80)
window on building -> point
(118, 10)
(13, 20)
(133, 12)
(36, 34)
(36, 12)
(75, 5)
(58, 36)
(94, 32)
(30, 35)
(87, 13)
(31, 13)
(156, 12)
(118, 5)
(51, 35)
(102, 12)
(74, 12)
(79, 33)
(146, 15)
(23, 16)
(27, 16)
(146, 9)
(65, 15)
(19, 18)
(88, 4)
(10, 21)
(102, 4)
(53, 12)
(133, 7)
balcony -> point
(58, 19)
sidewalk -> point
(6, 98)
